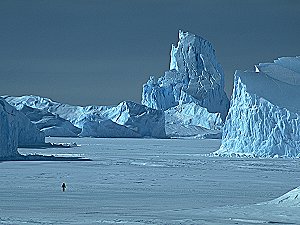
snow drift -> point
(290, 199)
(263, 118)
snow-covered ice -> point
(263, 118)
(146, 181)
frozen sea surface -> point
(146, 181)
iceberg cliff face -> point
(8, 130)
(28, 133)
(264, 116)
(194, 76)
(128, 118)
(16, 130)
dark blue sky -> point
(101, 52)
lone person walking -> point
(63, 187)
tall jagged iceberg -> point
(192, 92)
(16, 130)
(128, 119)
(194, 76)
(264, 115)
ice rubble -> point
(16, 130)
(194, 76)
(128, 119)
(263, 118)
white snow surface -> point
(194, 76)
(263, 118)
(137, 120)
(146, 181)
(16, 130)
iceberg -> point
(264, 114)
(107, 128)
(8, 131)
(50, 124)
(195, 76)
(189, 100)
(190, 119)
(16, 130)
(28, 133)
(128, 119)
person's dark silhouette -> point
(63, 186)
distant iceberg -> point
(50, 124)
(128, 119)
(264, 115)
(190, 119)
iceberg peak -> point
(194, 76)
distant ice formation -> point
(264, 116)
(195, 76)
(52, 125)
(107, 128)
(190, 119)
(128, 119)
(16, 130)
